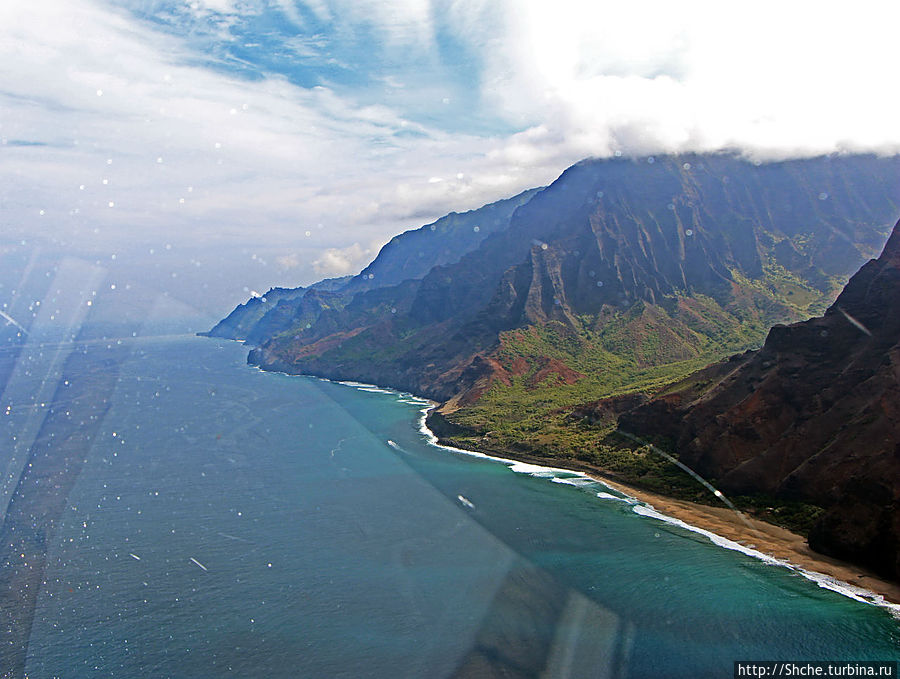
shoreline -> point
(754, 537)
(770, 540)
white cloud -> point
(342, 261)
(319, 8)
(290, 261)
(289, 9)
(772, 78)
(220, 6)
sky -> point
(208, 149)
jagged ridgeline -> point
(622, 274)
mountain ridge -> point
(603, 237)
(407, 256)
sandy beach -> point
(763, 537)
(738, 527)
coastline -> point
(752, 536)
(779, 543)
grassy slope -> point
(643, 350)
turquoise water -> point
(230, 522)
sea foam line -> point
(825, 581)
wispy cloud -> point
(340, 261)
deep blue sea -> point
(229, 522)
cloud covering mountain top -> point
(285, 132)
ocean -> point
(216, 520)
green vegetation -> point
(531, 409)
(642, 349)
(570, 442)
(798, 517)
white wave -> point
(852, 591)
(532, 469)
(577, 481)
(647, 510)
(610, 496)
(376, 390)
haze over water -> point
(227, 521)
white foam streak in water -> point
(647, 510)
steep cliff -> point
(645, 261)
(813, 415)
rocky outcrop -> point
(813, 415)
(606, 411)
